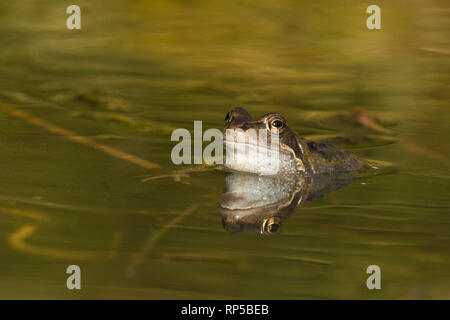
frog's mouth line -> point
(244, 147)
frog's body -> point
(295, 154)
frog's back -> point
(327, 158)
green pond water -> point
(139, 69)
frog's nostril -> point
(228, 117)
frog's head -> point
(239, 118)
(236, 116)
(262, 145)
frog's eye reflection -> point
(228, 117)
(271, 226)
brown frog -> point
(283, 150)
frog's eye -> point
(228, 117)
(275, 123)
(271, 226)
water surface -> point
(138, 69)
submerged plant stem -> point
(72, 136)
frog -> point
(291, 153)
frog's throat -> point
(299, 162)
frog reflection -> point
(262, 203)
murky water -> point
(139, 69)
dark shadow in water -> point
(262, 203)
